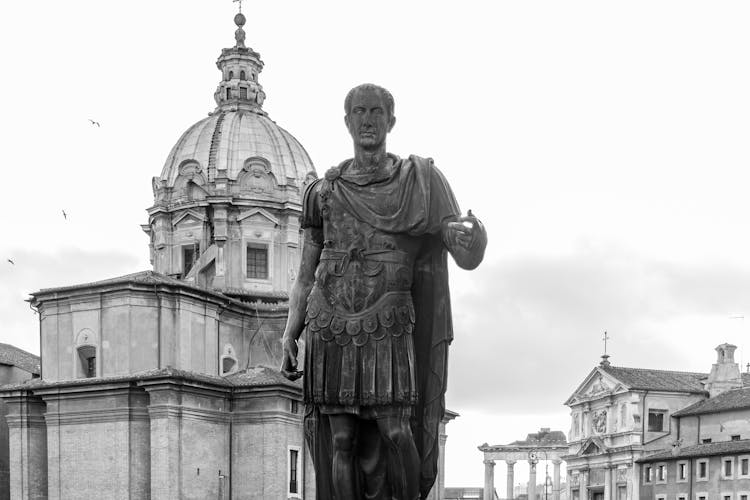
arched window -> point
(242, 75)
(228, 363)
(231, 75)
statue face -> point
(367, 120)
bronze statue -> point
(372, 294)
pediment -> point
(189, 217)
(592, 446)
(597, 385)
(258, 216)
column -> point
(531, 491)
(489, 479)
(509, 484)
(556, 479)
(607, 483)
(583, 479)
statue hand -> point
(466, 230)
(289, 363)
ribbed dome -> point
(226, 140)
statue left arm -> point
(466, 239)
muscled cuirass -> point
(363, 281)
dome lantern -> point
(240, 67)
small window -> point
(661, 473)
(727, 468)
(257, 261)
(736, 437)
(294, 406)
(682, 471)
(622, 493)
(231, 77)
(243, 92)
(87, 355)
(293, 486)
(681, 497)
(189, 256)
(229, 93)
(743, 496)
(744, 466)
(702, 471)
(656, 420)
(242, 75)
(707, 440)
(648, 474)
(701, 496)
(660, 497)
(726, 496)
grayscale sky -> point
(604, 145)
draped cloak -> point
(413, 198)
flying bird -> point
(94, 123)
(65, 215)
(9, 260)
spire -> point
(240, 67)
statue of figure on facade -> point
(372, 294)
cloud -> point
(34, 270)
(528, 329)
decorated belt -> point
(393, 315)
(373, 259)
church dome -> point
(225, 143)
(227, 205)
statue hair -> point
(389, 102)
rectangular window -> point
(243, 92)
(622, 493)
(648, 474)
(707, 440)
(681, 497)
(726, 496)
(189, 256)
(682, 471)
(576, 495)
(743, 496)
(229, 93)
(293, 487)
(91, 367)
(727, 468)
(257, 261)
(702, 470)
(294, 407)
(656, 420)
(744, 466)
(736, 437)
(661, 473)
(701, 496)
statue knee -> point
(398, 435)
(343, 442)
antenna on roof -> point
(605, 356)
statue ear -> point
(391, 123)
(346, 120)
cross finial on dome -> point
(239, 2)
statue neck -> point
(369, 160)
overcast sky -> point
(604, 145)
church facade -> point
(626, 420)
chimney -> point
(725, 373)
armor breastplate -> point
(363, 280)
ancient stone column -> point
(531, 491)
(510, 481)
(489, 479)
(556, 479)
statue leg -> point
(343, 428)
(372, 460)
(403, 458)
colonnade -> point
(489, 478)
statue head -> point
(369, 115)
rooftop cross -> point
(605, 339)
(239, 2)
